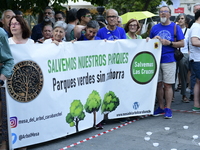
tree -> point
(110, 103)
(93, 104)
(32, 6)
(123, 6)
(76, 114)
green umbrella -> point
(139, 15)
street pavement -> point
(130, 136)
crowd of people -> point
(80, 27)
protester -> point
(59, 30)
(20, 31)
(90, 34)
(84, 17)
(192, 76)
(119, 22)
(111, 31)
(6, 16)
(46, 32)
(194, 44)
(72, 22)
(48, 19)
(90, 31)
(6, 65)
(195, 8)
(60, 16)
(183, 64)
(164, 31)
(131, 28)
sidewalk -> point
(116, 136)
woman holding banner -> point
(90, 31)
(59, 31)
(20, 33)
(131, 28)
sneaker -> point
(99, 126)
(158, 112)
(195, 109)
(168, 113)
(122, 120)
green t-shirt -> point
(137, 36)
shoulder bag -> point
(178, 55)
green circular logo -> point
(143, 67)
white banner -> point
(60, 90)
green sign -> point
(143, 67)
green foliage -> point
(76, 113)
(81, 116)
(93, 102)
(76, 108)
(123, 6)
(110, 102)
(69, 118)
(72, 124)
(31, 6)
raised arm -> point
(77, 31)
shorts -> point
(167, 73)
(196, 69)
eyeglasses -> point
(180, 18)
(49, 13)
(134, 25)
(119, 21)
(14, 24)
(165, 11)
(112, 17)
(89, 16)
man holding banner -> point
(6, 65)
(112, 31)
(165, 32)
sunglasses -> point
(89, 16)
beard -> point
(49, 20)
(163, 20)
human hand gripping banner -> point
(60, 90)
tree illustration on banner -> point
(76, 114)
(110, 103)
(93, 104)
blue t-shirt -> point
(83, 38)
(167, 32)
(118, 33)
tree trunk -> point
(105, 116)
(77, 125)
(94, 113)
(146, 5)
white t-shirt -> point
(29, 41)
(185, 48)
(194, 51)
